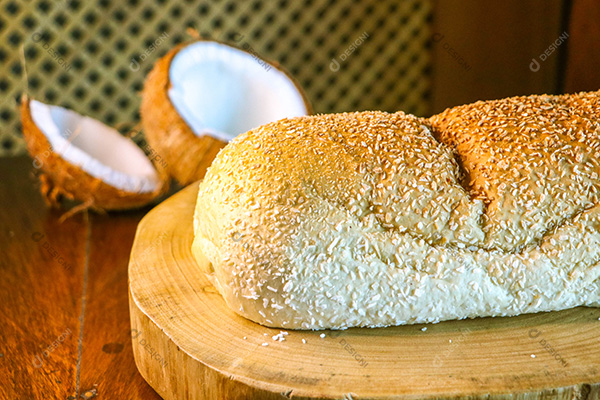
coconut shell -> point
(186, 154)
(60, 178)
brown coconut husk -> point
(187, 155)
(61, 179)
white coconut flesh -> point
(95, 148)
(222, 91)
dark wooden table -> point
(64, 314)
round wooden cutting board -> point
(188, 345)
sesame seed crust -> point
(533, 160)
(377, 219)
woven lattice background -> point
(79, 53)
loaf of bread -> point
(374, 219)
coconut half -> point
(81, 158)
(203, 94)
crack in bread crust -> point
(535, 161)
(362, 219)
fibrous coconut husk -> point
(187, 154)
(59, 178)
